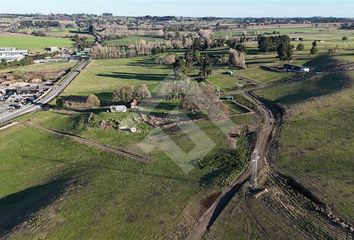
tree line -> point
(39, 24)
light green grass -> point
(263, 76)
(132, 40)
(42, 67)
(34, 44)
(317, 139)
(102, 77)
(85, 193)
(107, 195)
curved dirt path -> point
(262, 144)
(106, 148)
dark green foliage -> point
(180, 68)
(284, 51)
(157, 50)
(205, 67)
(197, 44)
(59, 102)
(39, 24)
(23, 62)
(271, 43)
(81, 42)
(236, 44)
(91, 30)
(314, 50)
(300, 47)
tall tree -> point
(284, 51)
(314, 49)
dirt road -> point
(262, 144)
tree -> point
(123, 94)
(60, 102)
(197, 44)
(141, 92)
(207, 36)
(344, 38)
(180, 68)
(314, 49)
(237, 58)
(188, 56)
(271, 43)
(241, 48)
(205, 68)
(300, 47)
(196, 55)
(93, 101)
(91, 30)
(284, 51)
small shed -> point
(119, 108)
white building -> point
(10, 54)
(119, 108)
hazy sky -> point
(230, 8)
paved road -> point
(47, 97)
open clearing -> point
(317, 140)
(102, 77)
(34, 44)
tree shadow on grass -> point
(326, 85)
(21, 206)
(321, 62)
(142, 62)
(106, 98)
(134, 76)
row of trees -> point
(39, 24)
(82, 42)
(183, 65)
(127, 93)
(22, 62)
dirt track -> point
(106, 148)
(211, 215)
(285, 197)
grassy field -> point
(73, 191)
(34, 44)
(317, 140)
(77, 192)
(102, 77)
(63, 189)
(42, 67)
(55, 188)
(131, 40)
(281, 30)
